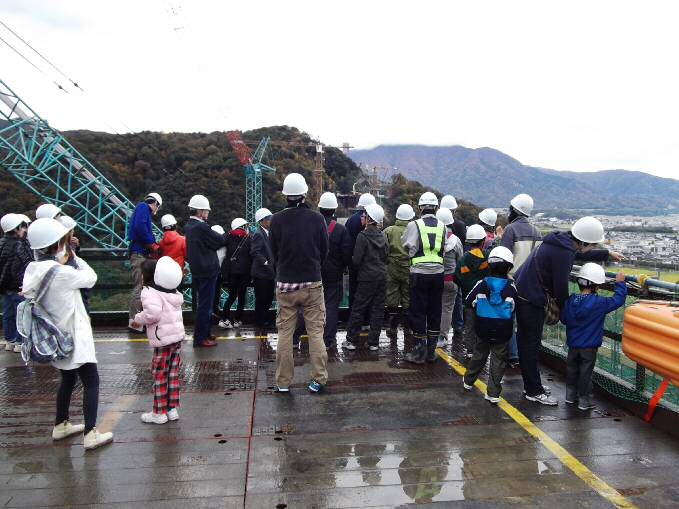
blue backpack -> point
(494, 319)
(42, 341)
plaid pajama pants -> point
(165, 369)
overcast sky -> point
(567, 85)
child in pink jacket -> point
(162, 315)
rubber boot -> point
(392, 331)
(406, 328)
(432, 339)
(418, 353)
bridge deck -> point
(385, 434)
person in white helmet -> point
(263, 271)
(15, 255)
(63, 303)
(299, 242)
(202, 244)
(520, 237)
(370, 258)
(426, 242)
(142, 245)
(173, 244)
(584, 315)
(546, 273)
(488, 219)
(460, 230)
(332, 270)
(236, 272)
(450, 260)
(355, 225)
(493, 301)
(47, 210)
(73, 245)
(398, 270)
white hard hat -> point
(448, 202)
(502, 253)
(199, 202)
(328, 200)
(592, 272)
(218, 229)
(588, 229)
(445, 216)
(156, 197)
(168, 273)
(167, 220)
(68, 222)
(475, 233)
(294, 185)
(47, 210)
(262, 213)
(405, 212)
(44, 232)
(375, 212)
(428, 199)
(237, 223)
(26, 219)
(366, 199)
(522, 203)
(10, 222)
(488, 216)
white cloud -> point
(570, 85)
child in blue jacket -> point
(584, 315)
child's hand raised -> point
(620, 277)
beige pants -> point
(135, 299)
(447, 306)
(310, 301)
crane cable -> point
(40, 55)
(33, 65)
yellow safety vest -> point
(431, 240)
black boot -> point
(406, 329)
(418, 353)
(392, 331)
(431, 347)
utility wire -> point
(32, 64)
(40, 55)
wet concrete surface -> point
(384, 434)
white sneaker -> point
(237, 324)
(349, 345)
(466, 387)
(173, 415)
(66, 429)
(546, 388)
(543, 399)
(373, 348)
(95, 439)
(441, 342)
(153, 418)
(491, 399)
(9, 347)
(17, 348)
(224, 324)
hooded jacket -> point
(554, 259)
(584, 316)
(472, 267)
(65, 305)
(520, 237)
(162, 315)
(174, 246)
(202, 243)
(494, 301)
(140, 229)
(460, 229)
(370, 255)
(15, 255)
(398, 255)
(339, 252)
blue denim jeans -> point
(10, 301)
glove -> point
(154, 251)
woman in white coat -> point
(63, 302)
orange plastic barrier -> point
(651, 337)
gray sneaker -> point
(543, 399)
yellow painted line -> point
(219, 338)
(569, 461)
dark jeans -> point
(204, 295)
(370, 297)
(332, 292)
(264, 290)
(10, 301)
(353, 285)
(579, 368)
(498, 364)
(238, 285)
(458, 312)
(530, 320)
(89, 376)
(424, 315)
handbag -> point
(552, 309)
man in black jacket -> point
(339, 257)
(262, 270)
(15, 255)
(202, 243)
(299, 242)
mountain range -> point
(490, 178)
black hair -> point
(148, 269)
(428, 209)
(487, 227)
(193, 212)
(500, 268)
(586, 284)
(47, 253)
(478, 243)
(513, 214)
(150, 200)
(172, 227)
(295, 201)
(327, 212)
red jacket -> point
(174, 246)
